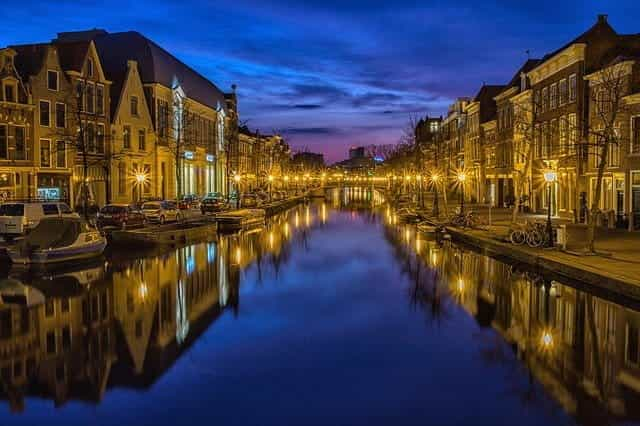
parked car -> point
(249, 201)
(213, 202)
(18, 218)
(189, 201)
(161, 211)
(121, 216)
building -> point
(307, 162)
(17, 149)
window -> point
(64, 305)
(4, 145)
(134, 105)
(614, 154)
(545, 99)
(61, 115)
(563, 134)
(100, 99)
(553, 96)
(573, 132)
(9, 92)
(51, 342)
(66, 338)
(61, 154)
(90, 67)
(122, 179)
(45, 113)
(635, 135)
(573, 82)
(91, 98)
(100, 139)
(126, 137)
(141, 140)
(631, 353)
(163, 119)
(562, 88)
(21, 149)
(52, 80)
(45, 153)
(91, 138)
(49, 308)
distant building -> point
(357, 152)
(307, 161)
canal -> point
(334, 313)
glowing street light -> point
(550, 176)
(462, 177)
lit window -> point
(52, 80)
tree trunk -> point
(596, 197)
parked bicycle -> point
(464, 220)
(534, 234)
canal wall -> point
(595, 271)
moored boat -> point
(240, 219)
(58, 239)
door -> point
(635, 206)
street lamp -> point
(550, 176)
(435, 178)
(462, 177)
(141, 178)
(236, 179)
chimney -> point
(602, 19)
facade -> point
(113, 116)
(17, 148)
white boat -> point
(240, 219)
(58, 239)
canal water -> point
(335, 313)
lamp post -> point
(270, 178)
(549, 177)
(462, 177)
(140, 180)
(434, 181)
(236, 179)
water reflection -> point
(583, 350)
(124, 322)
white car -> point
(17, 218)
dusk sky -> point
(328, 74)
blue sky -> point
(329, 74)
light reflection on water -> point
(347, 317)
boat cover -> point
(53, 233)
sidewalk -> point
(616, 268)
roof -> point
(29, 58)
(487, 104)
(72, 54)
(525, 68)
(155, 64)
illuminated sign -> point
(210, 158)
(188, 155)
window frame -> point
(90, 85)
(142, 140)
(49, 72)
(48, 142)
(90, 67)
(633, 131)
(133, 100)
(126, 141)
(6, 142)
(40, 103)
(572, 88)
(64, 116)
(99, 87)
(64, 151)
(24, 142)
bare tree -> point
(603, 139)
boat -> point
(14, 292)
(240, 219)
(58, 239)
(407, 215)
(427, 229)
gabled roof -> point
(600, 30)
(29, 59)
(72, 54)
(485, 97)
(155, 64)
